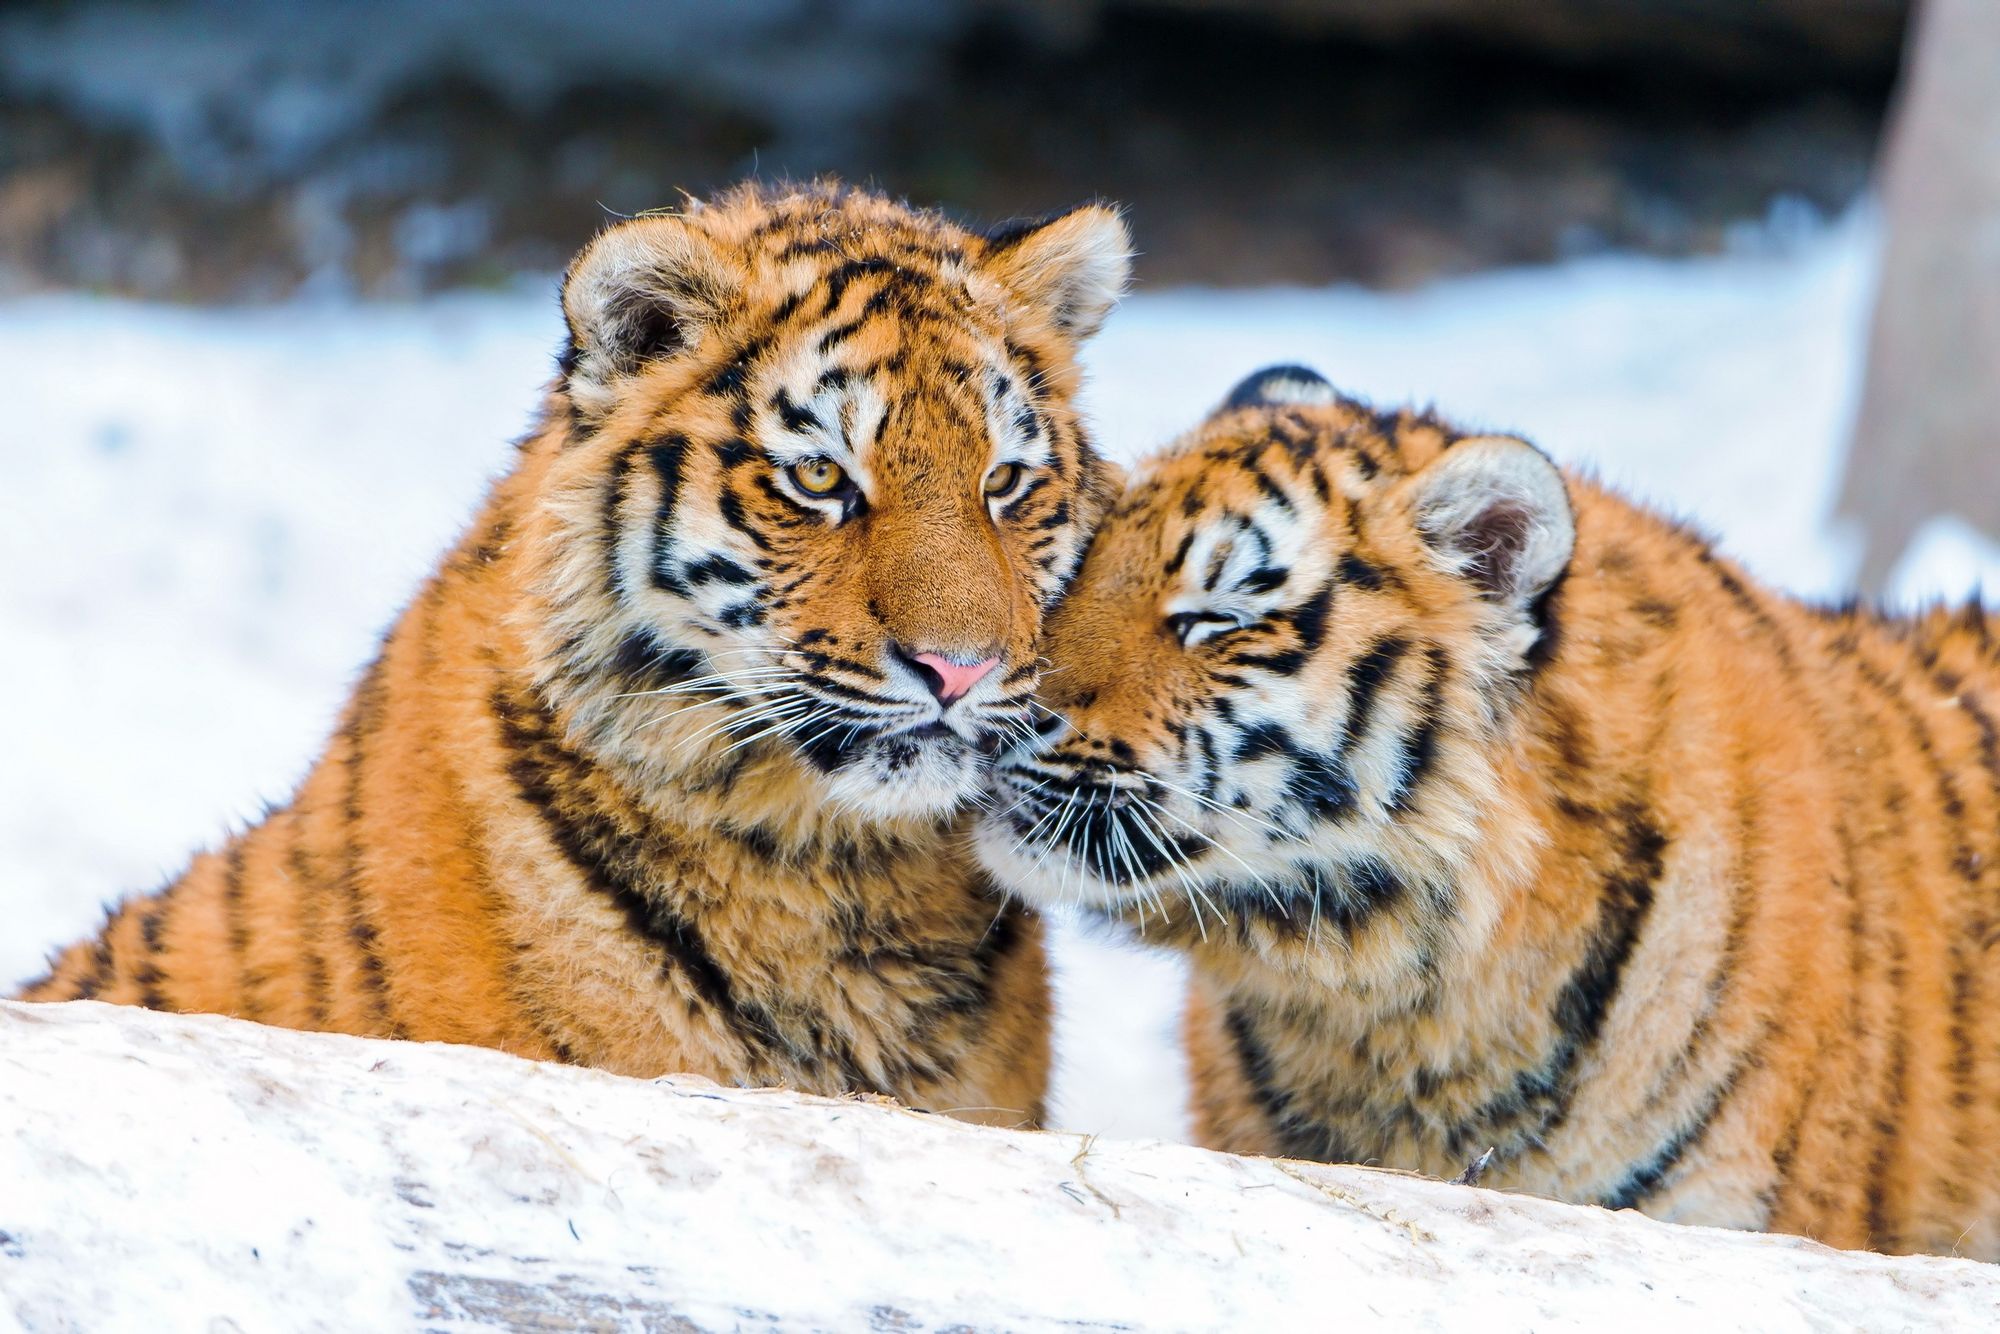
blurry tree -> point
(1927, 440)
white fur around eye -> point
(1198, 626)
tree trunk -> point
(1927, 440)
(159, 1172)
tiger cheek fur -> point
(663, 769)
(1494, 812)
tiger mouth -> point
(902, 746)
(1114, 833)
(941, 735)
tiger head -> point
(1278, 681)
(816, 480)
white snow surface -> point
(270, 1180)
(209, 515)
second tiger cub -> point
(1496, 812)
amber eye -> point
(1004, 479)
(818, 477)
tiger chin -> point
(1495, 813)
(663, 768)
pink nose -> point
(952, 679)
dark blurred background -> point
(223, 150)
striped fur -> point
(1675, 893)
(648, 776)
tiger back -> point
(1497, 813)
(663, 769)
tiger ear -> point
(1493, 510)
(645, 289)
(1281, 386)
(1073, 268)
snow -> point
(352, 1184)
(210, 514)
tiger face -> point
(821, 484)
(1278, 678)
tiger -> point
(664, 769)
(1512, 833)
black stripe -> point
(1297, 1134)
(147, 973)
(1418, 747)
(1964, 1060)
(1346, 896)
(667, 455)
(1012, 509)
(1272, 491)
(1361, 573)
(1261, 740)
(1978, 923)
(1883, 1235)
(785, 309)
(611, 521)
(307, 889)
(839, 279)
(1752, 606)
(554, 780)
(736, 452)
(730, 507)
(103, 967)
(1322, 784)
(1741, 884)
(1286, 662)
(795, 416)
(642, 664)
(1263, 580)
(1787, 1146)
(1365, 678)
(1308, 619)
(366, 717)
(719, 569)
(1644, 1178)
(840, 333)
(1542, 1094)
(237, 929)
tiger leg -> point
(1222, 1102)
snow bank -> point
(268, 1180)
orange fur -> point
(1674, 892)
(648, 776)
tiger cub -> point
(661, 770)
(1496, 813)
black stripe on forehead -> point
(1282, 452)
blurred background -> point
(277, 287)
(231, 150)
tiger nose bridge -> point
(941, 591)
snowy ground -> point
(209, 515)
(349, 1184)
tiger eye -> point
(1002, 479)
(818, 477)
